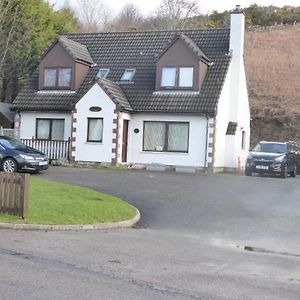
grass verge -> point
(51, 202)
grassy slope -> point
(56, 203)
(272, 59)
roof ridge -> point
(146, 31)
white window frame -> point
(128, 71)
(105, 74)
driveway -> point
(189, 244)
(257, 211)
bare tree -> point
(129, 18)
(93, 14)
(174, 14)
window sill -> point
(94, 143)
(164, 153)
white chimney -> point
(237, 29)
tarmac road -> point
(189, 244)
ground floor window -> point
(50, 129)
(166, 136)
(95, 130)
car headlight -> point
(279, 158)
(249, 158)
(27, 157)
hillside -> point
(272, 57)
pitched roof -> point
(76, 50)
(114, 91)
(118, 51)
(188, 42)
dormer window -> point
(57, 78)
(128, 75)
(103, 73)
(186, 77)
(177, 77)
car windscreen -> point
(270, 148)
(12, 144)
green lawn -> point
(51, 202)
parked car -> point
(15, 156)
(273, 158)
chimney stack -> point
(237, 28)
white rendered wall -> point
(91, 151)
(196, 157)
(239, 102)
(222, 120)
(28, 123)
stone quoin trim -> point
(114, 149)
(211, 142)
(73, 135)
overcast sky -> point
(148, 6)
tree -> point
(129, 18)
(175, 14)
(26, 28)
(93, 14)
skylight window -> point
(128, 75)
(103, 73)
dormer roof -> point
(189, 43)
(77, 51)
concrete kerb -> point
(78, 227)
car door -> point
(290, 157)
(2, 154)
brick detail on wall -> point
(114, 150)
(211, 142)
(73, 135)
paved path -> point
(185, 247)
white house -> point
(173, 98)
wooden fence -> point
(53, 149)
(14, 194)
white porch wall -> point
(222, 119)
(28, 123)
(90, 151)
(197, 141)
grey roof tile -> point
(118, 51)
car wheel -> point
(284, 172)
(248, 173)
(9, 165)
(294, 172)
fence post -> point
(26, 196)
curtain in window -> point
(154, 136)
(95, 130)
(168, 77)
(64, 77)
(186, 77)
(58, 128)
(178, 135)
(50, 77)
(43, 129)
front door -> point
(125, 141)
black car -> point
(15, 156)
(273, 158)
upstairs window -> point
(177, 77)
(168, 78)
(103, 73)
(57, 77)
(128, 75)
